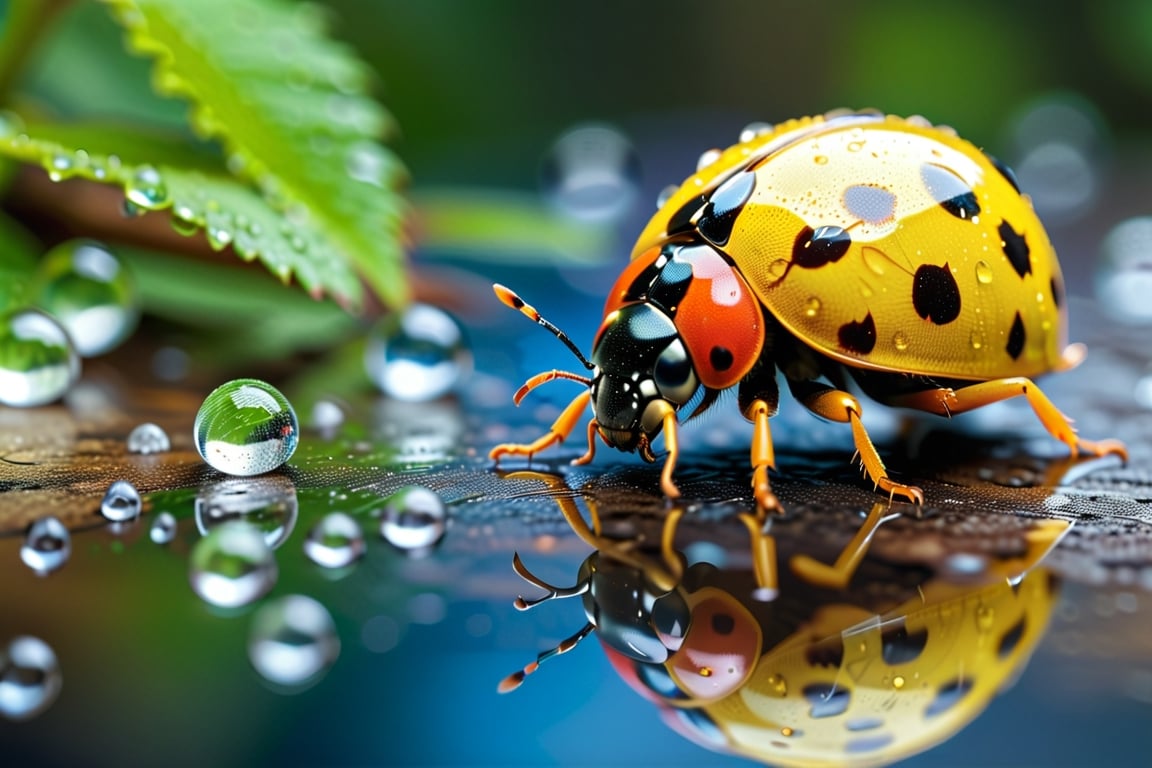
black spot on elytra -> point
(724, 205)
(1016, 338)
(935, 294)
(1057, 291)
(1005, 171)
(721, 358)
(1016, 249)
(814, 248)
(899, 646)
(723, 623)
(858, 336)
(827, 652)
(950, 191)
(1011, 639)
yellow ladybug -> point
(852, 244)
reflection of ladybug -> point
(801, 685)
(849, 244)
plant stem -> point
(24, 25)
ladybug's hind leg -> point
(947, 401)
(759, 400)
(836, 405)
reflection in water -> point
(862, 669)
(266, 503)
(335, 541)
(29, 678)
(414, 519)
(47, 545)
(232, 566)
(292, 642)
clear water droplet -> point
(418, 354)
(60, 166)
(30, 678)
(147, 188)
(91, 292)
(218, 228)
(37, 361)
(335, 541)
(327, 416)
(47, 545)
(976, 340)
(148, 438)
(368, 162)
(983, 272)
(246, 427)
(232, 566)
(121, 502)
(414, 519)
(820, 159)
(707, 157)
(292, 641)
(812, 306)
(163, 529)
(267, 504)
(591, 173)
(900, 341)
(665, 195)
(755, 130)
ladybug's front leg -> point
(561, 428)
(759, 400)
(836, 405)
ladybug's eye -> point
(673, 373)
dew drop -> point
(855, 146)
(983, 272)
(163, 529)
(46, 546)
(985, 618)
(418, 354)
(90, 291)
(292, 641)
(812, 306)
(900, 341)
(60, 166)
(121, 502)
(147, 188)
(148, 438)
(335, 541)
(218, 228)
(591, 173)
(37, 361)
(976, 340)
(232, 566)
(30, 678)
(327, 417)
(707, 158)
(777, 685)
(754, 131)
(368, 162)
(267, 504)
(414, 519)
(246, 427)
(820, 159)
(665, 195)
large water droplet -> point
(418, 354)
(163, 528)
(121, 502)
(335, 541)
(292, 641)
(91, 292)
(30, 678)
(148, 438)
(591, 173)
(1124, 278)
(232, 566)
(246, 427)
(413, 519)
(147, 188)
(46, 546)
(37, 361)
(267, 504)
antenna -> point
(509, 297)
(513, 681)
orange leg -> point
(837, 575)
(763, 457)
(946, 402)
(836, 405)
(560, 429)
(593, 427)
(672, 444)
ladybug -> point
(853, 245)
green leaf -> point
(18, 252)
(290, 108)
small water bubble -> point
(900, 341)
(218, 229)
(163, 529)
(246, 427)
(812, 307)
(983, 272)
(37, 361)
(414, 519)
(121, 502)
(665, 195)
(335, 541)
(91, 292)
(418, 354)
(327, 416)
(147, 188)
(148, 438)
(976, 339)
(47, 545)
(1124, 277)
(292, 641)
(30, 678)
(368, 162)
(591, 173)
(267, 504)
(754, 131)
(60, 166)
(707, 158)
(232, 566)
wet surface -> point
(1006, 620)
